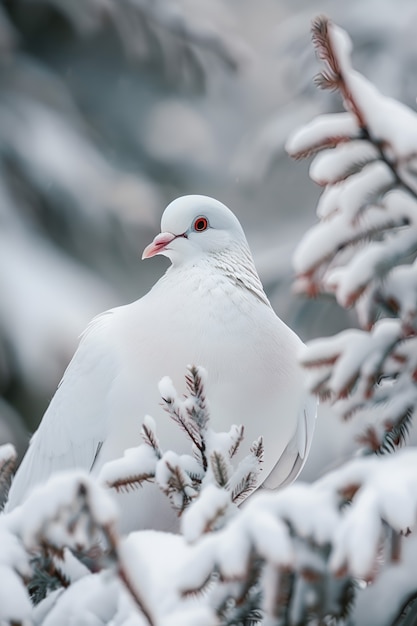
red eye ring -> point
(200, 224)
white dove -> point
(208, 309)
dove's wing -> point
(296, 452)
(75, 422)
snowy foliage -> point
(289, 557)
(181, 477)
(363, 249)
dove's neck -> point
(233, 265)
(237, 265)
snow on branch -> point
(67, 518)
(63, 548)
(363, 249)
(375, 155)
(290, 556)
(182, 477)
(305, 538)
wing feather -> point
(75, 422)
(292, 460)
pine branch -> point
(391, 438)
(350, 170)
(244, 488)
(333, 77)
(397, 431)
(116, 556)
(346, 598)
(327, 143)
(198, 410)
(187, 425)
(215, 519)
(150, 438)
(183, 415)
(282, 601)
(130, 483)
(244, 607)
(195, 380)
(250, 587)
(311, 280)
(246, 477)
(240, 435)
(219, 468)
(46, 577)
(180, 484)
(257, 449)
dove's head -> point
(194, 226)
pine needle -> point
(257, 449)
(220, 469)
(196, 388)
(150, 438)
(397, 432)
(130, 483)
(244, 488)
(236, 444)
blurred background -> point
(109, 109)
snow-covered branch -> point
(282, 558)
(70, 515)
(182, 476)
(306, 537)
(368, 174)
(363, 248)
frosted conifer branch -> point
(307, 538)
(257, 449)
(241, 600)
(178, 484)
(378, 163)
(182, 477)
(70, 512)
(238, 438)
(191, 414)
(363, 249)
(148, 432)
(198, 409)
(273, 558)
(380, 440)
(243, 488)
(220, 469)
(245, 479)
(138, 465)
(325, 131)
(333, 46)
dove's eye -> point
(200, 224)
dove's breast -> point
(248, 352)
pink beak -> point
(158, 245)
